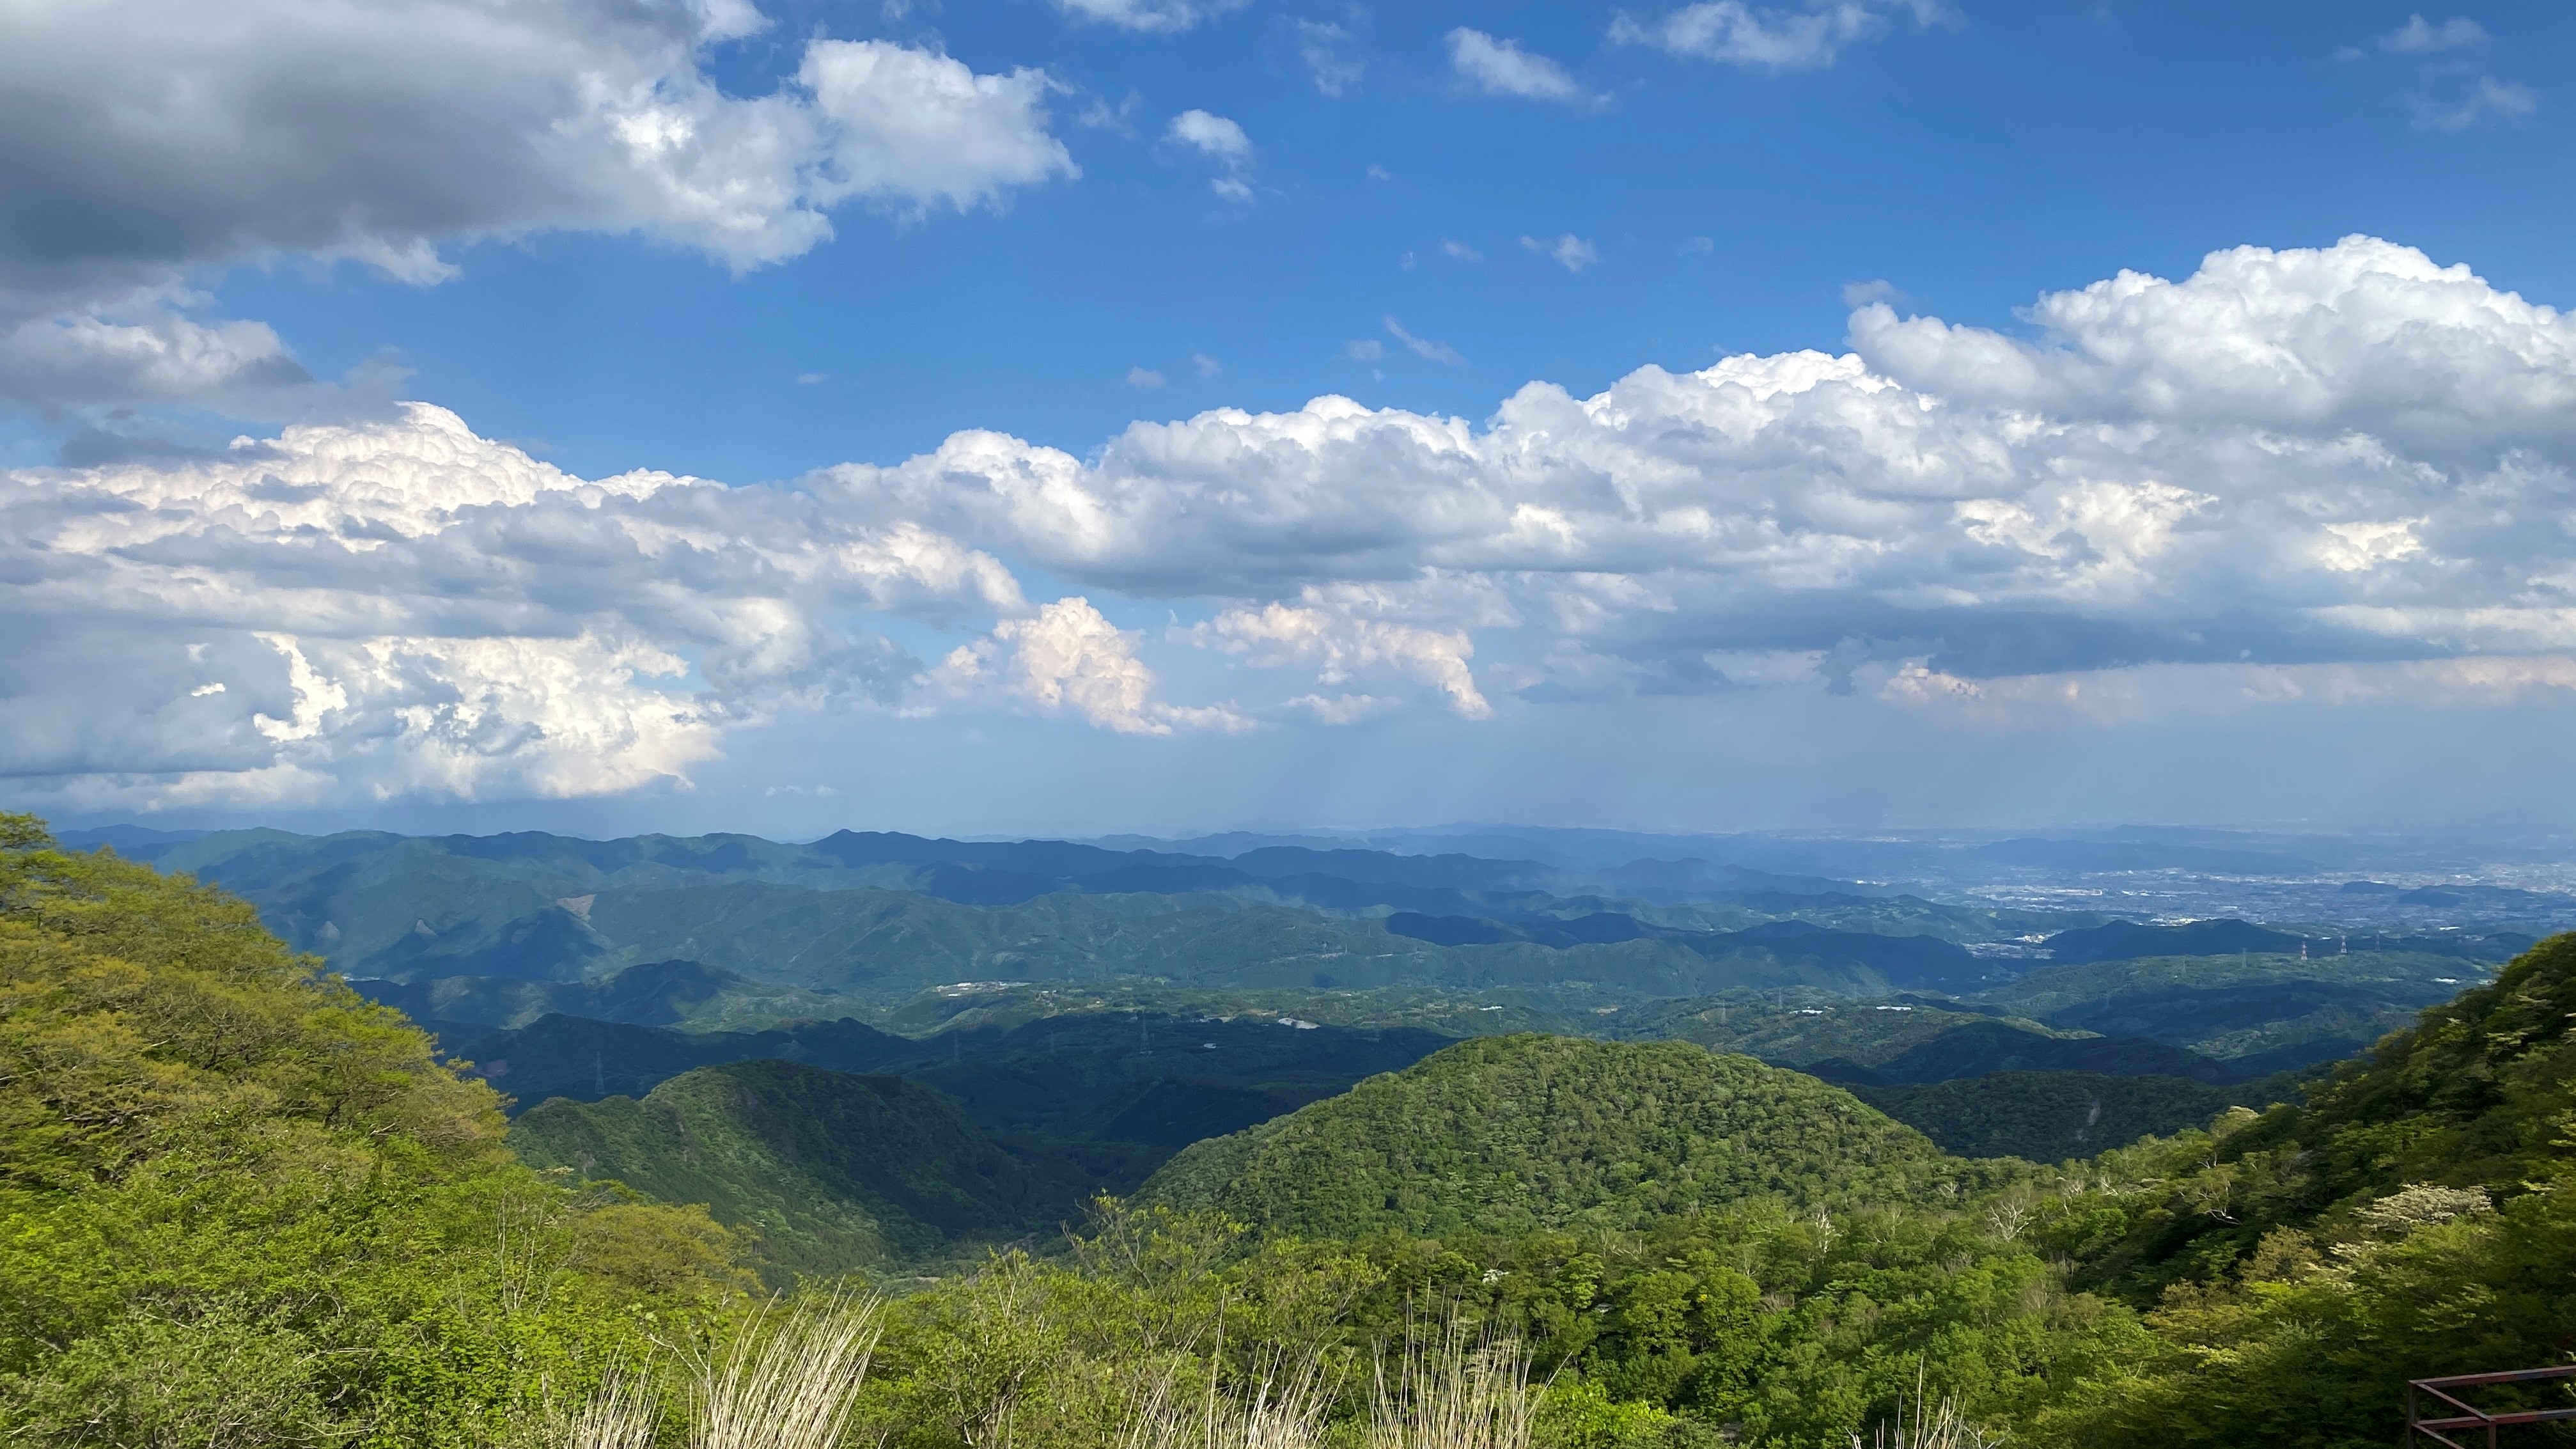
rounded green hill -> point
(1507, 1134)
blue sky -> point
(1972, 163)
(2280, 537)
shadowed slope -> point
(830, 1171)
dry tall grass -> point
(622, 1415)
(1449, 1389)
(1940, 1427)
(1283, 1409)
(1455, 1390)
(789, 1381)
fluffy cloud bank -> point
(2318, 475)
(142, 138)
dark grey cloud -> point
(143, 140)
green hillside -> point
(2257, 1014)
(2416, 1216)
(2481, 1094)
(243, 1206)
(1102, 1097)
(2053, 1116)
(577, 1057)
(657, 993)
(1891, 1041)
(824, 1171)
(1510, 1134)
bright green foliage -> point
(240, 1205)
(828, 1172)
(1058, 1353)
(1758, 1327)
(2418, 1217)
(1508, 1134)
(1780, 1327)
(2477, 1096)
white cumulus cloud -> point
(2364, 336)
(1502, 68)
(1068, 658)
(2327, 474)
(1210, 135)
(1217, 139)
(1344, 645)
(405, 607)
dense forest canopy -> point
(244, 1205)
(1511, 1134)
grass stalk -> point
(622, 1414)
(790, 1380)
(1455, 1390)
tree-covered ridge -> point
(587, 1059)
(2416, 1217)
(881, 916)
(2479, 1095)
(241, 1204)
(2260, 1014)
(827, 1172)
(1518, 1133)
(655, 993)
(2054, 1116)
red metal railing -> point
(2470, 1416)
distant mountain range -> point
(879, 917)
(1263, 977)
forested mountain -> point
(2255, 1014)
(2046, 1116)
(1511, 1134)
(1102, 1097)
(1907, 1039)
(573, 1056)
(825, 1172)
(970, 872)
(244, 1206)
(237, 1194)
(656, 993)
(2415, 1216)
(880, 916)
